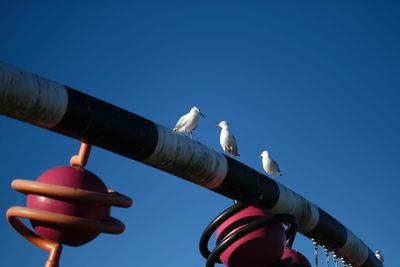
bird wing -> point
(276, 165)
(233, 145)
(180, 122)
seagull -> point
(188, 122)
(379, 256)
(227, 139)
(269, 165)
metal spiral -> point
(212, 257)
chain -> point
(315, 244)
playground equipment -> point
(33, 99)
(66, 205)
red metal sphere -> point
(75, 178)
(295, 257)
(257, 249)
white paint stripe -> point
(30, 98)
(188, 158)
(354, 250)
(292, 203)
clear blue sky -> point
(317, 84)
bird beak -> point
(201, 114)
(217, 126)
(259, 156)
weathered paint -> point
(107, 126)
(31, 98)
(329, 231)
(354, 250)
(187, 158)
(294, 204)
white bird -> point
(379, 256)
(227, 139)
(188, 122)
(269, 165)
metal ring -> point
(110, 225)
(213, 257)
(59, 191)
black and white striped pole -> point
(33, 99)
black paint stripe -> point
(110, 127)
(333, 232)
(248, 185)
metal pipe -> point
(36, 100)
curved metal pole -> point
(36, 100)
